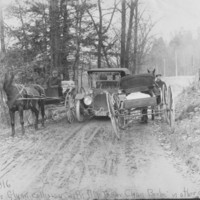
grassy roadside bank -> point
(184, 140)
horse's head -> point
(152, 72)
(8, 80)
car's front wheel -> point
(79, 111)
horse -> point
(20, 98)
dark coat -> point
(160, 83)
(54, 81)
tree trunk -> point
(100, 31)
(123, 33)
(54, 34)
(129, 36)
(135, 63)
(106, 56)
(4, 116)
(3, 47)
(65, 40)
(99, 35)
(76, 64)
(45, 29)
(25, 40)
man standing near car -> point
(159, 82)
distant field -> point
(178, 83)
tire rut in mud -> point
(23, 158)
(68, 159)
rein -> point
(20, 90)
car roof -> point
(125, 70)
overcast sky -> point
(172, 15)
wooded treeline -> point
(74, 35)
(180, 56)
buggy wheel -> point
(164, 94)
(79, 114)
(170, 108)
(114, 121)
(163, 105)
(69, 105)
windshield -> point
(104, 79)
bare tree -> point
(25, 38)
(123, 33)
(78, 27)
(65, 39)
(144, 43)
(129, 35)
(101, 30)
(3, 47)
(54, 33)
(135, 38)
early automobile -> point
(102, 83)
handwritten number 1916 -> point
(4, 184)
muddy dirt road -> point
(83, 161)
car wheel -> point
(79, 114)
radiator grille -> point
(100, 102)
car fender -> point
(79, 96)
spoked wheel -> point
(163, 105)
(170, 108)
(70, 106)
(121, 118)
(164, 94)
(113, 117)
(79, 111)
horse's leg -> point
(41, 104)
(144, 115)
(152, 113)
(12, 119)
(36, 112)
(21, 115)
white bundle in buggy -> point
(67, 85)
(137, 95)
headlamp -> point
(87, 100)
(119, 91)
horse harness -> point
(23, 93)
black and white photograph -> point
(99, 99)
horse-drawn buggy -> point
(139, 97)
(114, 92)
(34, 97)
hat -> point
(158, 75)
(55, 72)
